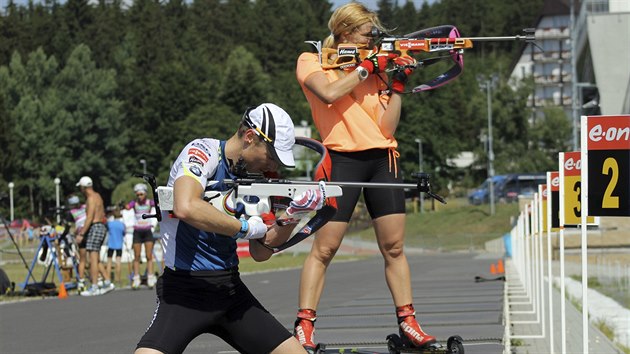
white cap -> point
(140, 187)
(277, 126)
(85, 181)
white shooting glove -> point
(311, 200)
(252, 228)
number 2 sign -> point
(606, 164)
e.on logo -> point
(608, 133)
(597, 133)
(570, 164)
(555, 182)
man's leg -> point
(289, 346)
(94, 266)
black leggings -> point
(214, 302)
(367, 166)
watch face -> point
(363, 74)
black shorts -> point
(216, 302)
(111, 251)
(367, 166)
(142, 236)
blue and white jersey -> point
(186, 247)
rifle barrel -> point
(340, 184)
(373, 185)
(506, 38)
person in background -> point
(356, 110)
(142, 235)
(93, 233)
(77, 214)
(27, 232)
(116, 231)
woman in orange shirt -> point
(356, 113)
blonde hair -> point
(348, 18)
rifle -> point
(249, 196)
(255, 195)
(438, 39)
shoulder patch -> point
(201, 155)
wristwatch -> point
(363, 73)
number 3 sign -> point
(606, 164)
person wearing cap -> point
(356, 110)
(200, 290)
(92, 233)
(142, 234)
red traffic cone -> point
(500, 267)
(493, 269)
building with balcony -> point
(598, 78)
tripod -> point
(51, 252)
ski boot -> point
(304, 329)
(409, 328)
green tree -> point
(406, 18)
(65, 123)
(13, 31)
(106, 31)
(244, 82)
(29, 116)
(91, 121)
(386, 13)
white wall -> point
(609, 39)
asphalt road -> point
(356, 310)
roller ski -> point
(411, 338)
(395, 345)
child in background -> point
(116, 229)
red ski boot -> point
(410, 331)
(305, 329)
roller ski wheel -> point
(396, 345)
(455, 345)
(320, 349)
